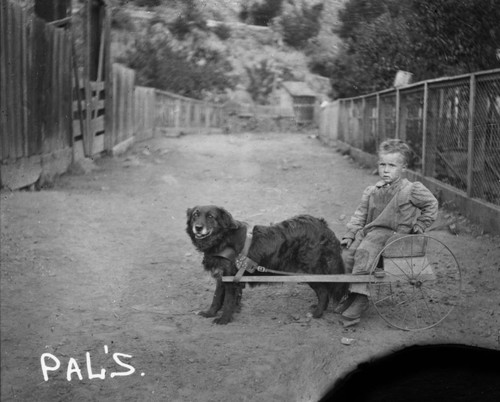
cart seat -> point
(406, 257)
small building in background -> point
(299, 97)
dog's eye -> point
(196, 214)
(209, 216)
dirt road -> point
(99, 273)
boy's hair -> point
(395, 145)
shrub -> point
(261, 12)
(160, 65)
(189, 19)
(222, 31)
(180, 27)
(262, 77)
(120, 19)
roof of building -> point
(298, 88)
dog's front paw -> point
(316, 311)
(208, 313)
(222, 320)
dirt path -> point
(101, 264)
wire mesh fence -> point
(452, 125)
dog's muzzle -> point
(200, 232)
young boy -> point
(392, 205)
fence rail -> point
(452, 125)
(175, 113)
(301, 113)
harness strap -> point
(245, 263)
(239, 274)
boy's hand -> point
(417, 229)
(346, 242)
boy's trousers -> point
(360, 256)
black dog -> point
(302, 244)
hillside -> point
(248, 45)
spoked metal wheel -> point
(419, 284)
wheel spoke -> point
(423, 267)
(401, 269)
(424, 297)
(415, 304)
(383, 299)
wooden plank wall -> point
(13, 81)
(145, 116)
(122, 113)
(329, 122)
(35, 68)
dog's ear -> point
(226, 219)
(189, 212)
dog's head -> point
(208, 222)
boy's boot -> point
(358, 306)
(345, 303)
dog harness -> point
(242, 261)
(245, 263)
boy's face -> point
(391, 166)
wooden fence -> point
(121, 116)
(36, 85)
(51, 113)
(328, 116)
(145, 113)
(90, 140)
(142, 112)
(175, 114)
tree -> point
(429, 38)
(370, 61)
(299, 24)
(454, 36)
(356, 13)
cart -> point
(415, 281)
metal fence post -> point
(377, 123)
(470, 142)
(398, 100)
(424, 129)
(403, 116)
(364, 123)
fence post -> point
(477, 141)
(364, 123)
(403, 117)
(350, 123)
(340, 124)
(398, 100)
(207, 117)
(177, 113)
(470, 142)
(424, 128)
(377, 123)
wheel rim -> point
(418, 291)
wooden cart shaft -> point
(346, 278)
